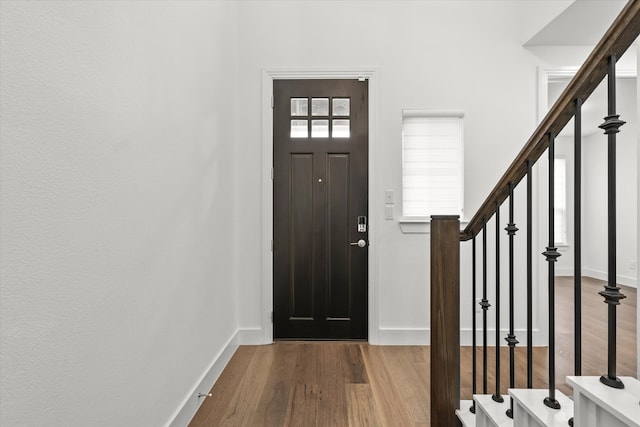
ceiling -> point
(583, 23)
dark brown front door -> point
(320, 209)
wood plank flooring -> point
(354, 384)
(320, 384)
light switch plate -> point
(388, 197)
(388, 212)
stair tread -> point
(467, 418)
(496, 411)
(532, 400)
(623, 403)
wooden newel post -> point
(445, 320)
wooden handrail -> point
(622, 33)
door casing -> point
(265, 334)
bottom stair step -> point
(530, 410)
(490, 413)
(597, 404)
(464, 414)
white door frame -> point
(268, 76)
(545, 75)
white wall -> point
(118, 222)
(447, 55)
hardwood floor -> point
(320, 384)
(355, 384)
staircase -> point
(606, 401)
(594, 405)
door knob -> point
(361, 243)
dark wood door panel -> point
(301, 241)
(339, 280)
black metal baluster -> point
(529, 274)
(552, 255)
(611, 293)
(473, 324)
(511, 338)
(577, 238)
(485, 306)
(577, 241)
(496, 396)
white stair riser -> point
(530, 410)
(490, 413)
(595, 405)
(521, 417)
(589, 414)
(465, 415)
(599, 405)
(482, 419)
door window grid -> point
(299, 107)
(323, 124)
(319, 106)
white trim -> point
(405, 336)
(268, 76)
(432, 113)
(420, 225)
(250, 336)
(562, 73)
(539, 338)
(561, 245)
(638, 210)
(422, 336)
(600, 275)
(564, 272)
(192, 402)
(415, 225)
(267, 208)
(604, 276)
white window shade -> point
(432, 164)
